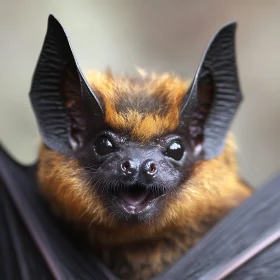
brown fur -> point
(142, 251)
(142, 126)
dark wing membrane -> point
(33, 243)
(20, 258)
(264, 266)
(253, 223)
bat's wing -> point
(245, 245)
(20, 258)
(33, 244)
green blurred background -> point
(156, 35)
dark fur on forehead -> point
(145, 107)
(143, 104)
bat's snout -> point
(146, 170)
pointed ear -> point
(214, 96)
(66, 108)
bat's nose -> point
(149, 169)
(129, 168)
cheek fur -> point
(63, 183)
(211, 191)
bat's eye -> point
(175, 150)
(104, 146)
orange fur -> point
(213, 189)
(141, 126)
(213, 186)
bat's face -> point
(134, 179)
(137, 160)
(124, 148)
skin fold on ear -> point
(212, 101)
(66, 108)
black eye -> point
(175, 150)
(104, 146)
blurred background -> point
(157, 35)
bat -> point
(123, 159)
(132, 173)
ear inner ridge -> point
(61, 116)
(216, 79)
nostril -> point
(125, 165)
(152, 169)
(149, 169)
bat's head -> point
(139, 155)
(122, 148)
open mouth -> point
(137, 198)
